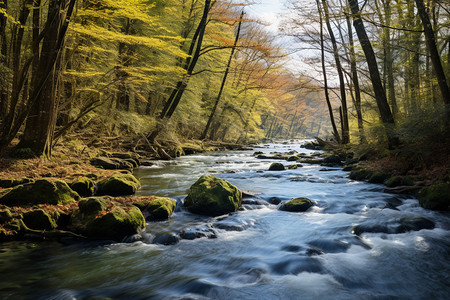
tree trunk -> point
(434, 53)
(345, 127)
(389, 62)
(196, 43)
(40, 125)
(380, 95)
(355, 80)
(324, 71)
(122, 95)
(224, 80)
(3, 64)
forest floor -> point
(427, 161)
(71, 160)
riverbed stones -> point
(414, 224)
(84, 186)
(39, 219)
(104, 218)
(156, 208)
(212, 196)
(436, 197)
(42, 191)
(166, 239)
(10, 182)
(118, 184)
(277, 167)
(297, 205)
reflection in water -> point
(256, 253)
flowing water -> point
(258, 252)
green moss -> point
(399, 181)
(360, 174)
(118, 185)
(104, 218)
(42, 191)
(292, 167)
(276, 167)
(332, 159)
(93, 205)
(116, 225)
(436, 197)
(40, 220)
(84, 187)
(312, 161)
(213, 196)
(297, 205)
(8, 183)
(158, 208)
(378, 177)
(394, 181)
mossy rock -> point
(118, 185)
(8, 183)
(378, 177)
(360, 174)
(111, 163)
(103, 218)
(277, 167)
(84, 186)
(157, 208)
(297, 205)
(395, 181)
(333, 159)
(312, 161)
(293, 167)
(93, 205)
(39, 219)
(42, 191)
(292, 158)
(436, 197)
(212, 196)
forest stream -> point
(347, 246)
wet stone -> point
(166, 239)
(198, 232)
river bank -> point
(354, 242)
(106, 175)
(53, 199)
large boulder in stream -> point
(297, 205)
(119, 184)
(212, 196)
(42, 191)
(277, 167)
(105, 218)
